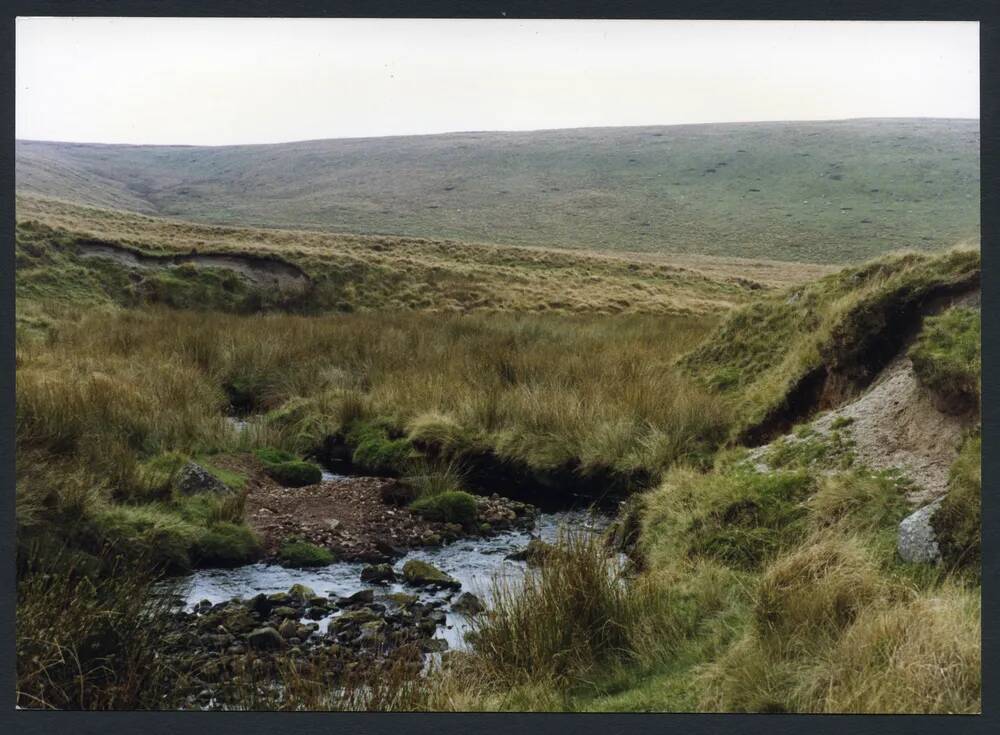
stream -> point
(475, 562)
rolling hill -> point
(824, 192)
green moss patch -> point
(226, 545)
(298, 553)
(777, 355)
(376, 450)
(452, 506)
(947, 358)
(958, 522)
(283, 467)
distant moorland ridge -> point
(823, 192)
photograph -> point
(465, 365)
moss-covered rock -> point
(226, 545)
(285, 468)
(448, 507)
(421, 574)
(377, 451)
(295, 473)
(296, 553)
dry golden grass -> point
(362, 272)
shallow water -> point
(473, 562)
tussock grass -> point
(920, 655)
(958, 522)
(298, 553)
(567, 619)
(840, 329)
(947, 358)
(354, 273)
(85, 641)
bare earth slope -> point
(833, 192)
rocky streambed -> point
(349, 616)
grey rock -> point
(917, 543)
(266, 639)
(192, 479)
(361, 597)
(379, 573)
(467, 604)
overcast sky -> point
(218, 81)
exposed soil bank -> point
(858, 356)
(261, 271)
(486, 473)
(896, 424)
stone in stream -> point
(286, 612)
(467, 604)
(192, 479)
(533, 554)
(421, 574)
(288, 629)
(349, 619)
(299, 593)
(380, 573)
(433, 645)
(402, 599)
(362, 597)
(265, 639)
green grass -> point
(354, 273)
(947, 358)
(958, 522)
(833, 330)
(449, 506)
(840, 191)
(375, 451)
(295, 474)
(758, 591)
(297, 553)
(286, 469)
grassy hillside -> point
(789, 353)
(833, 192)
(363, 272)
(759, 591)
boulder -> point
(362, 597)
(534, 554)
(265, 639)
(288, 629)
(284, 611)
(261, 605)
(348, 619)
(467, 604)
(380, 573)
(433, 645)
(300, 594)
(917, 542)
(421, 574)
(402, 599)
(192, 479)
